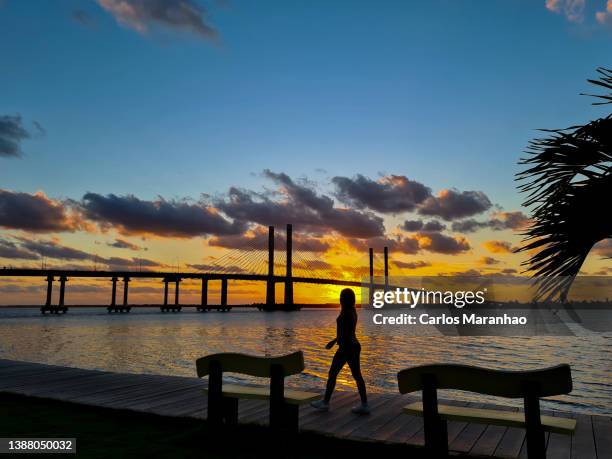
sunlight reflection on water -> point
(146, 341)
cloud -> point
(9, 249)
(411, 245)
(141, 15)
(118, 263)
(257, 239)
(35, 212)
(452, 204)
(500, 221)
(605, 17)
(411, 264)
(498, 246)
(412, 225)
(440, 243)
(468, 273)
(53, 249)
(509, 271)
(123, 244)
(214, 268)
(489, 261)
(166, 218)
(391, 194)
(15, 288)
(301, 206)
(420, 225)
(12, 133)
(573, 10)
(313, 265)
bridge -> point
(240, 264)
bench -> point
(528, 385)
(223, 398)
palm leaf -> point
(568, 184)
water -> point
(147, 341)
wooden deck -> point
(180, 396)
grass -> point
(107, 433)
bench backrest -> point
(291, 364)
(501, 383)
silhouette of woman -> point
(348, 351)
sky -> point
(160, 133)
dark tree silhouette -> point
(569, 184)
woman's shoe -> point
(320, 405)
(361, 409)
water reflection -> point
(146, 341)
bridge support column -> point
(204, 299)
(270, 286)
(288, 272)
(224, 292)
(113, 306)
(62, 293)
(176, 291)
(49, 290)
(386, 268)
(114, 292)
(126, 281)
(165, 292)
(371, 292)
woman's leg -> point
(355, 366)
(337, 363)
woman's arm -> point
(331, 343)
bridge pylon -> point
(270, 286)
(288, 269)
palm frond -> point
(605, 81)
(568, 182)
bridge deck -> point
(180, 396)
(77, 273)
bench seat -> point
(496, 417)
(293, 397)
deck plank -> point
(402, 429)
(325, 421)
(559, 445)
(182, 396)
(602, 430)
(354, 421)
(583, 441)
(491, 438)
(379, 418)
(468, 437)
(511, 443)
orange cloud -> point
(38, 213)
(573, 10)
(605, 17)
(498, 246)
(488, 261)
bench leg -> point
(284, 416)
(215, 410)
(292, 416)
(536, 439)
(536, 443)
(436, 437)
(230, 410)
